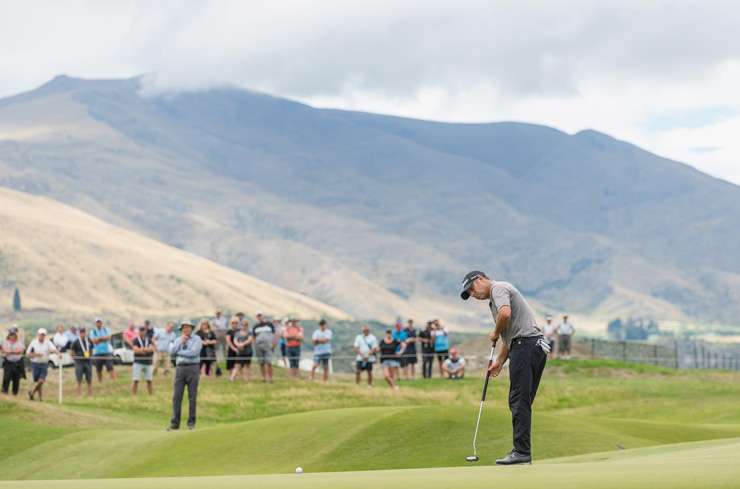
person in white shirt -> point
(454, 367)
(219, 322)
(219, 326)
(60, 338)
(38, 352)
(366, 345)
(565, 333)
(321, 340)
(551, 332)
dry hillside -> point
(66, 260)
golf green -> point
(688, 465)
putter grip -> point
(488, 373)
(485, 387)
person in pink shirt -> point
(293, 335)
(130, 334)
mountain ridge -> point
(398, 207)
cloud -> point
(705, 149)
(692, 118)
(614, 66)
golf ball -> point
(299, 470)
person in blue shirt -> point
(399, 334)
(164, 338)
(72, 335)
(441, 344)
(186, 352)
(103, 350)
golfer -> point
(186, 352)
(522, 344)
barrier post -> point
(675, 352)
(61, 378)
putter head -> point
(472, 458)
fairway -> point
(690, 466)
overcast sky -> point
(664, 75)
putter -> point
(474, 457)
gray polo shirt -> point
(522, 322)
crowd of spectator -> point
(399, 354)
(232, 340)
(560, 335)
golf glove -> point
(544, 344)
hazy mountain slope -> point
(381, 215)
(66, 260)
(169, 198)
(595, 183)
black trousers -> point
(12, 373)
(526, 363)
(185, 375)
(427, 362)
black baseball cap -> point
(468, 281)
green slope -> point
(683, 466)
(334, 440)
(583, 407)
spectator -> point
(293, 340)
(220, 326)
(399, 334)
(441, 344)
(242, 341)
(321, 339)
(279, 330)
(164, 339)
(82, 350)
(264, 342)
(565, 334)
(144, 348)
(72, 335)
(550, 334)
(366, 345)
(408, 359)
(38, 351)
(60, 338)
(454, 367)
(129, 334)
(208, 350)
(103, 350)
(186, 352)
(231, 349)
(149, 329)
(427, 350)
(13, 370)
(261, 318)
(219, 323)
(389, 355)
